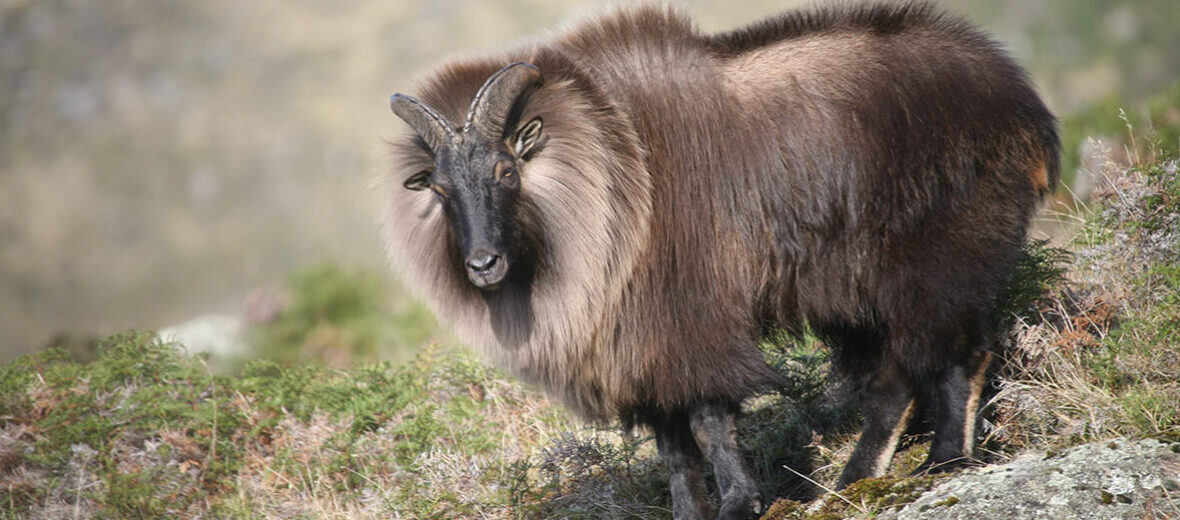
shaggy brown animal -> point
(617, 213)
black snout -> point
(482, 261)
(486, 269)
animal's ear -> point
(418, 181)
(527, 136)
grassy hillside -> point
(159, 160)
(144, 430)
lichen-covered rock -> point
(1103, 480)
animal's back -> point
(846, 165)
(878, 93)
(913, 154)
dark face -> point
(476, 168)
(477, 180)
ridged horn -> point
(423, 119)
(489, 110)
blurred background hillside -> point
(160, 160)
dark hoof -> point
(931, 467)
(740, 508)
(850, 477)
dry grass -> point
(1100, 358)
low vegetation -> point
(144, 430)
(339, 317)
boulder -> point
(1102, 480)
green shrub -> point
(342, 316)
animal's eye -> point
(504, 171)
(418, 181)
(438, 190)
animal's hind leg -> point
(713, 427)
(957, 389)
(889, 401)
(678, 449)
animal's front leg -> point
(713, 427)
(690, 500)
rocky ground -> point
(1099, 480)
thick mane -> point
(584, 206)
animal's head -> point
(476, 168)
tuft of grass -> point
(99, 424)
(1139, 356)
(339, 317)
(863, 499)
(1158, 119)
(592, 474)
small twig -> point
(826, 488)
(213, 395)
(1167, 496)
(1134, 150)
(78, 493)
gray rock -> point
(1102, 480)
(218, 334)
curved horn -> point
(423, 119)
(489, 109)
